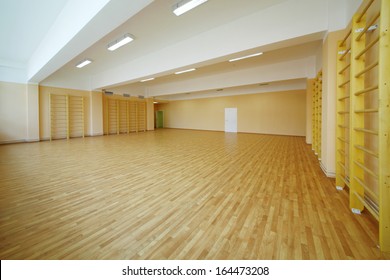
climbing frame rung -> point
(366, 169)
(366, 131)
(365, 90)
(368, 151)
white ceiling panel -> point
(23, 24)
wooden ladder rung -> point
(343, 140)
(342, 166)
(342, 152)
(366, 90)
(366, 131)
(344, 83)
(345, 38)
(368, 68)
(371, 110)
(369, 46)
(366, 188)
(365, 10)
(368, 206)
(366, 169)
(343, 126)
(344, 97)
(347, 51)
(367, 27)
(345, 181)
(343, 112)
(368, 151)
(344, 68)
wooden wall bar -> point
(317, 115)
(123, 114)
(66, 116)
(363, 153)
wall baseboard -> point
(330, 174)
(33, 140)
(239, 132)
(18, 141)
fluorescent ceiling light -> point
(150, 79)
(125, 39)
(186, 5)
(83, 63)
(243, 57)
(185, 71)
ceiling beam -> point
(79, 25)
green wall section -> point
(159, 119)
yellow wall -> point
(149, 114)
(328, 135)
(281, 113)
(96, 105)
(93, 114)
(13, 112)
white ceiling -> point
(278, 55)
(158, 31)
(23, 24)
(155, 28)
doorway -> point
(230, 119)
(159, 119)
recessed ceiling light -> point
(83, 63)
(125, 39)
(247, 56)
(185, 71)
(150, 79)
(186, 5)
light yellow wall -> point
(96, 108)
(281, 113)
(149, 114)
(328, 135)
(13, 112)
(32, 104)
(92, 115)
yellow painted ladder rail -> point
(342, 110)
(384, 127)
(363, 159)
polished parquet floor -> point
(175, 194)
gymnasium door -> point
(159, 119)
(230, 119)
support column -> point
(32, 98)
(328, 135)
(149, 114)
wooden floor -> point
(175, 194)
